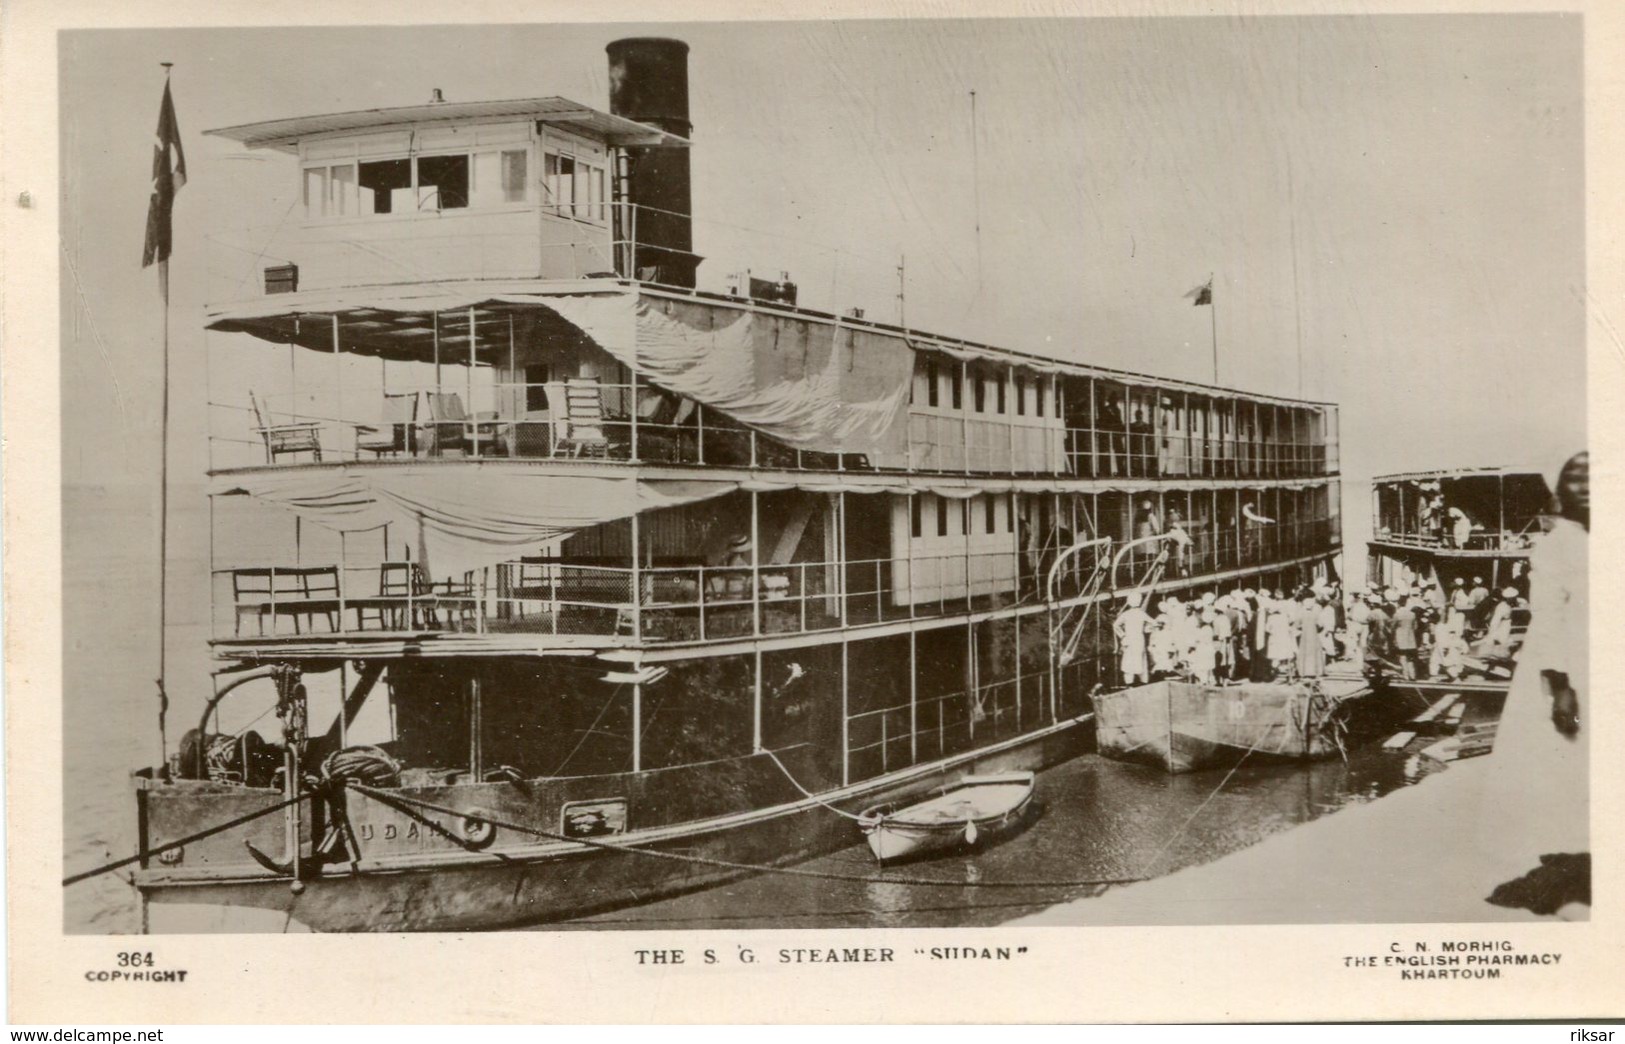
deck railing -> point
(587, 419)
(678, 603)
(1479, 541)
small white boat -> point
(962, 813)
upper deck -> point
(618, 370)
(518, 273)
(1491, 512)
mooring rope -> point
(1152, 862)
(809, 795)
(726, 864)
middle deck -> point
(547, 466)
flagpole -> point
(163, 510)
(1213, 307)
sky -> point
(1390, 207)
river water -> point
(1096, 819)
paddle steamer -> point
(572, 584)
(1458, 524)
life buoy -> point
(477, 831)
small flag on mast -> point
(168, 175)
(1202, 295)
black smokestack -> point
(648, 82)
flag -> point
(1202, 295)
(168, 175)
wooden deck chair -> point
(584, 419)
(449, 422)
(391, 608)
(297, 437)
(395, 434)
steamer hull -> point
(514, 883)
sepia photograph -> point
(876, 474)
(725, 515)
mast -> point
(163, 457)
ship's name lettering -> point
(391, 832)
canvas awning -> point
(813, 386)
(464, 517)
(470, 517)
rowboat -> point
(962, 813)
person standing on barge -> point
(1130, 628)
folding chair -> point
(298, 437)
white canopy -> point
(812, 385)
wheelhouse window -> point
(386, 186)
(501, 176)
(575, 187)
(330, 190)
(442, 182)
(414, 184)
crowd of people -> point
(1267, 635)
(1430, 634)
(1243, 635)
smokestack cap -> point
(648, 82)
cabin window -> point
(1000, 386)
(942, 515)
(931, 395)
(442, 182)
(992, 516)
(315, 192)
(499, 177)
(914, 511)
(1010, 513)
(964, 518)
(1021, 395)
(956, 389)
(514, 183)
(595, 191)
(386, 186)
(979, 393)
(1038, 398)
(559, 173)
(330, 191)
(575, 188)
